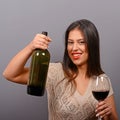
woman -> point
(69, 83)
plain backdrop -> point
(20, 20)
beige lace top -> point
(64, 106)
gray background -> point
(20, 20)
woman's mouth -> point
(76, 55)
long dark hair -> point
(92, 39)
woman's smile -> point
(76, 55)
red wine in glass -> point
(100, 88)
(100, 95)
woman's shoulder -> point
(108, 78)
(104, 75)
(55, 73)
(55, 64)
(55, 69)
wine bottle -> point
(38, 71)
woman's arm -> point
(16, 70)
(107, 109)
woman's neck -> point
(82, 71)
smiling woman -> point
(69, 84)
(77, 48)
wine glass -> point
(100, 88)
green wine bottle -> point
(38, 71)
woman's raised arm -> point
(16, 70)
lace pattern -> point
(64, 106)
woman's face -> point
(77, 48)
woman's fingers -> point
(40, 41)
(103, 109)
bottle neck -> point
(41, 49)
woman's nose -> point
(75, 46)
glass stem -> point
(99, 118)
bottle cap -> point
(44, 33)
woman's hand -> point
(40, 41)
(103, 108)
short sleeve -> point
(55, 75)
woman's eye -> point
(70, 42)
(82, 42)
